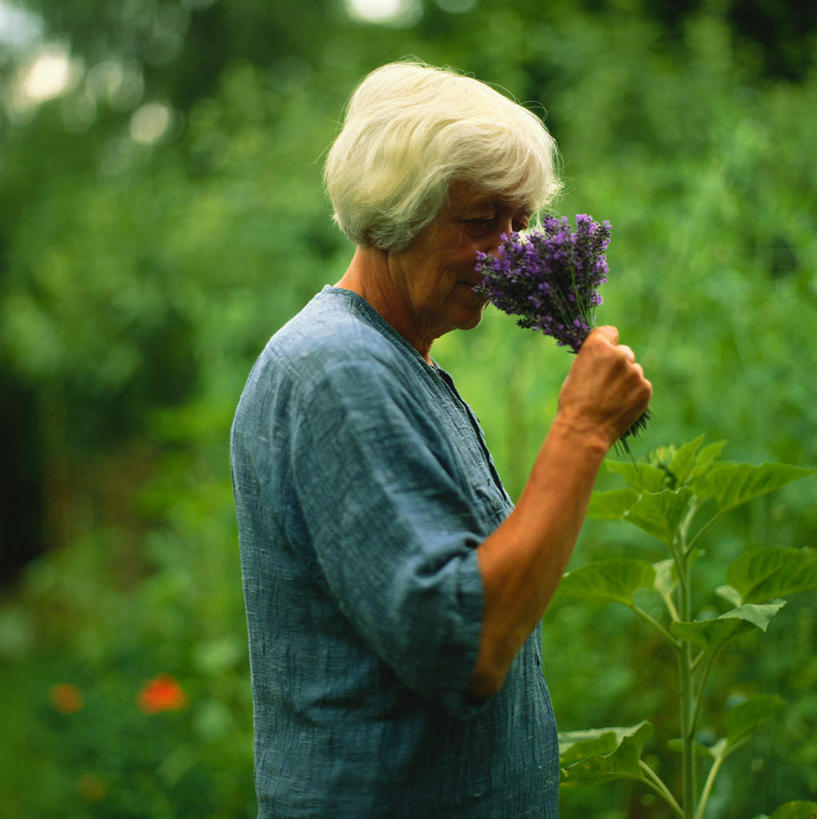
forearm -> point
(522, 562)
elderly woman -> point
(393, 591)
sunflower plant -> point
(677, 496)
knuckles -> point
(601, 353)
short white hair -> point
(410, 130)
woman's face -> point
(436, 271)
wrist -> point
(590, 440)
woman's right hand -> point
(523, 560)
(605, 391)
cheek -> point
(464, 255)
(465, 246)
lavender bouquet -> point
(549, 277)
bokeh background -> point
(161, 215)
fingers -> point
(608, 332)
(606, 389)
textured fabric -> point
(363, 486)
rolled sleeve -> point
(394, 532)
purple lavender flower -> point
(549, 277)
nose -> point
(494, 239)
(505, 226)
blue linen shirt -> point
(363, 486)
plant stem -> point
(685, 678)
(702, 685)
(710, 781)
(657, 784)
(687, 749)
(673, 612)
(702, 531)
(673, 641)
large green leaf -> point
(705, 458)
(643, 477)
(730, 594)
(666, 576)
(683, 462)
(611, 505)
(616, 579)
(760, 574)
(796, 810)
(669, 468)
(731, 485)
(743, 719)
(602, 754)
(712, 634)
(660, 513)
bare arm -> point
(522, 562)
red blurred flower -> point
(66, 698)
(162, 693)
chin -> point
(471, 318)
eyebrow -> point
(499, 201)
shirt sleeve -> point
(393, 531)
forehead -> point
(467, 195)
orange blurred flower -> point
(66, 698)
(162, 693)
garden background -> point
(161, 214)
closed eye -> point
(481, 226)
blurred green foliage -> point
(146, 254)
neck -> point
(374, 275)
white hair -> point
(411, 130)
